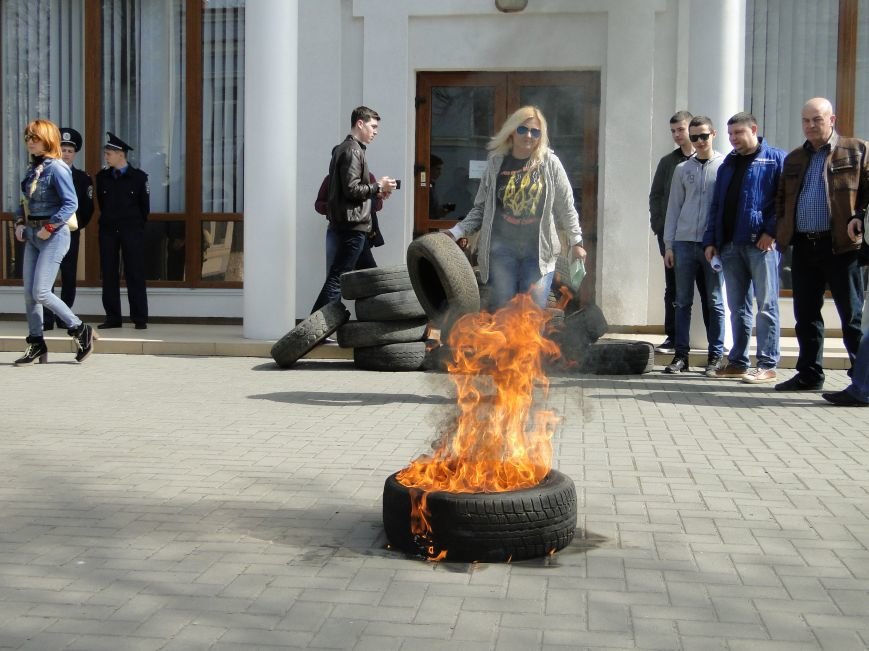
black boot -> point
(36, 350)
(84, 340)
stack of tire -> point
(391, 327)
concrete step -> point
(228, 341)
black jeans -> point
(670, 296)
(814, 267)
(349, 246)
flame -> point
(501, 441)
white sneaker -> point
(759, 376)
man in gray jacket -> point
(687, 215)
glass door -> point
(457, 114)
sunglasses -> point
(30, 136)
(700, 136)
(522, 130)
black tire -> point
(391, 357)
(374, 281)
(487, 527)
(304, 337)
(618, 357)
(579, 331)
(442, 278)
(590, 320)
(361, 334)
(394, 306)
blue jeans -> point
(365, 260)
(860, 377)
(750, 272)
(42, 260)
(348, 247)
(689, 263)
(514, 268)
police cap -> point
(69, 136)
(113, 142)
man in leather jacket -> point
(350, 200)
(824, 183)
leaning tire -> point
(579, 330)
(304, 337)
(394, 306)
(360, 334)
(374, 281)
(617, 357)
(442, 278)
(391, 357)
(487, 527)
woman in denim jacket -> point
(524, 199)
(48, 201)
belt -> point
(38, 221)
(815, 235)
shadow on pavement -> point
(352, 399)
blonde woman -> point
(524, 199)
(48, 201)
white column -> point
(626, 121)
(270, 165)
(716, 88)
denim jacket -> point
(756, 208)
(54, 196)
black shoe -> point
(84, 340)
(141, 326)
(106, 325)
(796, 383)
(678, 365)
(713, 363)
(843, 399)
(666, 346)
(36, 350)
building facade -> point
(233, 107)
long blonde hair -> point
(502, 142)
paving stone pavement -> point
(219, 503)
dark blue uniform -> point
(125, 203)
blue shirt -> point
(813, 212)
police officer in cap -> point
(70, 145)
(124, 199)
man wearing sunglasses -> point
(824, 185)
(687, 215)
(659, 196)
(742, 229)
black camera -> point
(398, 184)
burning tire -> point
(360, 334)
(486, 527)
(442, 278)
(390, 357)
(371, 282)
(616, 357)
(394, 306)
(310, 332)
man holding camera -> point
(350, 200)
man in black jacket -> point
(124, 199)
(350, 197)
(70, 144)
(659, 196)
